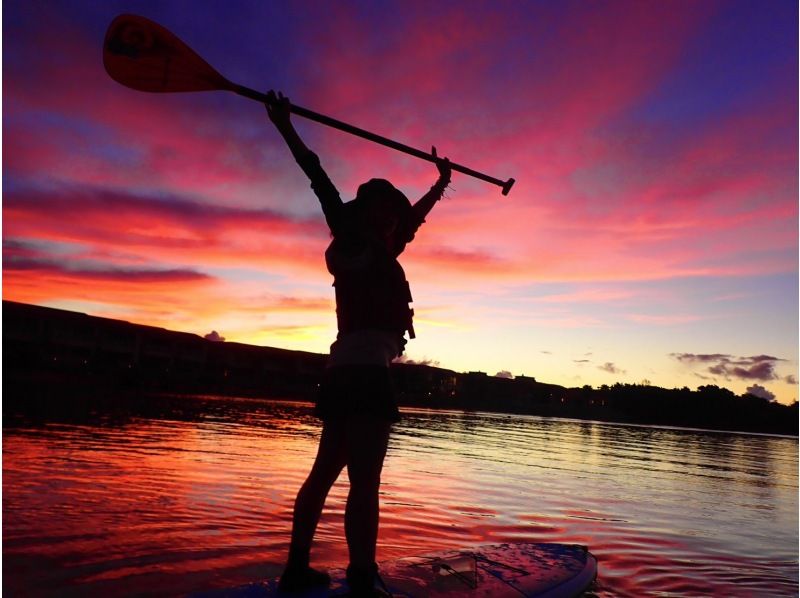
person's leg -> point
(331, 459)
(367, 439)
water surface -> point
(196, 493)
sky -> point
(652, 233)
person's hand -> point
(443, 164)
(278, 109)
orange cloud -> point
(166, 230)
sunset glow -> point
(652, 233)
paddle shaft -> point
(347, 128)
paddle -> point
(142, 55)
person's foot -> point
(300, 579)
(365, 582)
(370, 593)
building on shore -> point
(58, 359)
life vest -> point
(371, 287)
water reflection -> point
(180, 495)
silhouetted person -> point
(355, 402)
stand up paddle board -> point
(495, 571)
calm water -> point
(198, 495)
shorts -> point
(357, 390)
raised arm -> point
(426, 202)
(278, 111)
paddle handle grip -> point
(348, 128)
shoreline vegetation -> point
(57, 360)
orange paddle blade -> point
(141, 54)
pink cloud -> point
(660, 225)
(756, 367)
(166, 230)
(214, 336)
(179, 300)
(611, 368)
(544, 102)
(50, 269)
(109, 135)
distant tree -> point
(748, 396)
(714, 391)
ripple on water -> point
(203, 498)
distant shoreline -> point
(57, 360)
(414, 409)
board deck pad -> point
(497, 571)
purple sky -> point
(652, 233)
